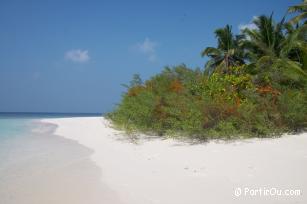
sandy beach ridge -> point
(170, 171)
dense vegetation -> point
(253, 85)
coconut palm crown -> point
(226, 54)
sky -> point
(74, 56)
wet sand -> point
(42, 168)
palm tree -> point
(269, 47)
(226, 54)
(273, 39)
(265, 40)
(295, 44)
(302, 9)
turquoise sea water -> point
(17, 130)
(37, 166)
(19, 124)
(12, 127)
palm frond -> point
(211, 51)
(298, 18)
(300, 8)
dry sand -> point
(169, 171)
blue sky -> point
(73, 56)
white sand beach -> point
(170, 171)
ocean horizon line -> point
(47, 114)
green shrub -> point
(184, 102)
(293, 105)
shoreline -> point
(169, 171)
(38, 166)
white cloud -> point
(249, 25)
(77, 55)
(148, 48)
